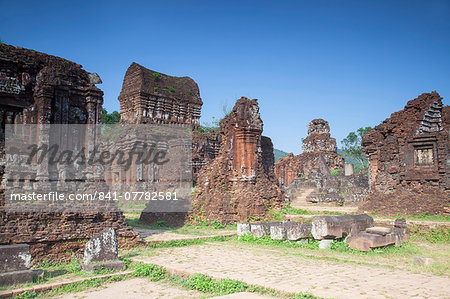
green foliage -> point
(157, 76)
(203, 283)
(289, 210)
(336, 172)
(26, 295)
(209, 127)
(435, 235)
(154, 272)
(182, 243)
(352, 145)
(171, 89)
(217, 225)
(110, 118)
(156, 89)
(311, 244)
(278, 154)
(161, 223)
(337, 245)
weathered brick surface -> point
(37, 88)
(151, 97)
(408, 159)
(237, 185)
(317, 144)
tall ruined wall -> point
(317, 144)
(205, 147)
(238, 184)
(37, 88)
(151, 97)
(268, 158)
(408, 158)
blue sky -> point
(352, 63)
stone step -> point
(326, 208)
(302, 197)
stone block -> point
(400, 223)
(260, 230)
(297, 232)
(366, 241)
(109, 265)
(349, 169)
(16, 277)
(379, 230)
(243, 228)
(337, 227)
(278, 232)
(423, 261)
(15, 257)
(101, 247)
(325, 244)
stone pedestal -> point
(15, 263)
(101, 252)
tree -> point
(110, 118)
(352, 145)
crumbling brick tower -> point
(239, 183)
(409, 159)
(317, 144)
(155, 98)
(151, 97)
(36, 88)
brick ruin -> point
(310, 172)
(317, 144)
(239, 183)
(36, 88)
(151, 97)
(409, 158)
(156, 98)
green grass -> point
(288, 210)
(434, 235)
(201, 229)
(182, 243)
(80, 286)
(337, 245)
(423, 217)
(207, 284)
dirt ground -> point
(136, 288)
(143, 288)
(270, 268)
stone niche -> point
(408, 159)
(239, 183)
(36, 88)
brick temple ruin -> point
(317, 144)
(239, 183)
(36, 88)
(151, 97)
(409, 159)
(307, 177)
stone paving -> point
(289, 273)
